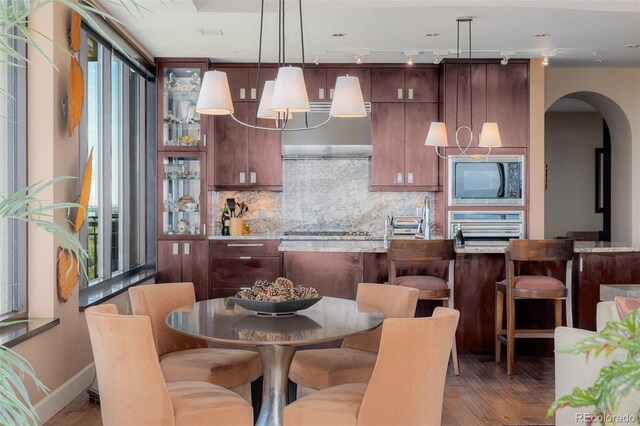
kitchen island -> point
(335, 267)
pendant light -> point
(437, 135)
(284, 96)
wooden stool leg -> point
(454, 351)
(511, 333)
(499, 309)
(558, 310)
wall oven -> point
(487, 227)
(495, 180)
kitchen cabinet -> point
(184, 261)
(239, 84)
(240, 263)
(332, 274)
(182, 198)
(179, 126)
(316, 81)
(266, 73)
(418, 84)
(500, 93)
(246, 158)
(400, 161)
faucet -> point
(387, 226)
(426, 220)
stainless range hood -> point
(339, 138)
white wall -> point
(615, 93)
(571, 139)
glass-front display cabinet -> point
(182, 195)
(180, 126)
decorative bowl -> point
(271, 308)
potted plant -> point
(615, 380)
(25, 205)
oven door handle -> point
(501, 190)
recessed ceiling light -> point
(540, 35)
(339, 34)
(212, 32)
(599, 61)
(632, 46)
(432, 34)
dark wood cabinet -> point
(240, 263)
(500, 93)
(400, 161)
(387, 85)
(421, 84)
(316, 81)
(415, 84)
(332, 274)
(184, 261)
(238, 78)
(266, 73)
(246, 158)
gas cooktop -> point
(327, 233)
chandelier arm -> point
(463, 151)
(281, 128)
(440, 155)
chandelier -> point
(284, 96)
(437, 135)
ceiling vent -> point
(217, 32)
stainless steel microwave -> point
(495, 180)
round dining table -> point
(276, 338)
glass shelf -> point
(181, 191)
(181, 122)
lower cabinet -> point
(184, 261)
(240, 263)
(332, 274)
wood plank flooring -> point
(483, 394)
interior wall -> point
(571, 140)
(614, 93)
(535, 214)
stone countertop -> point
(606, 247)
(352, 246)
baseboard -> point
(50, 405)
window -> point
(13, 234)
(113, 125)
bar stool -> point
(431, 288)
(531, 287)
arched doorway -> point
(588, 155)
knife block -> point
(236, 227)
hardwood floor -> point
(483, 394)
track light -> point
(316, 60)
(505, 60)
(359, 59)
(545, 60)
(410, 60)
(437, 59)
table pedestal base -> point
(276, 360)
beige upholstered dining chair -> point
(407, 384)
(354, 361)
(132, 388)
(187, 358)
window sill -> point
(11, 335)
(99, 293)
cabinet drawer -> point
(233, 273)
(235, 248)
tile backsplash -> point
(322, 195)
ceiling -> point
(579, 32)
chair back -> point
(392, 300)
(156, 301)
(540, 250)
(410, 371)
(132, 388)
(420, 250)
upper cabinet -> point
(179, 126)
(321, 82)
(498, 93)
(404, 84)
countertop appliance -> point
(488, 227)
(406, 225)
(339, 138)
(496, 180)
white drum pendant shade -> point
(437, 135)
(264, 109)
(490, 135)
(290, 92)
(215, 96)
(347, 98)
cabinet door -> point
(421, 162)
(169, 261)
(363, 74)
(316, 81)
(458, 100)
(332, 274)
(238, 79)
(266, 73)
(179, 126)
(508, 102)
(421, 84)
(387, 85)
(235, 272)
(387, 129)
(195, 258)
(264, 154)
(231, 148)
